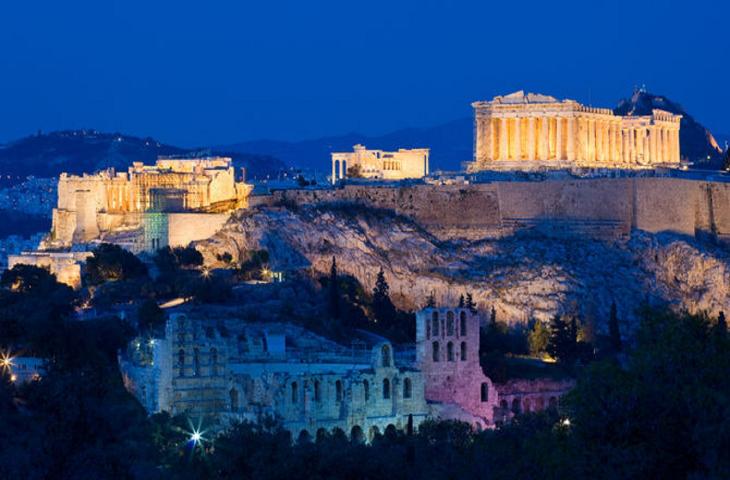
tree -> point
(383, 308)
(354, 171)
(559, 346)
(470, 303)
(461, 301)
(111, 262)
(721, 326)
(613, 329)
(538, 338)
(493, 316)
(334, 290)
(431, 301)
(150, 316)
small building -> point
(379, 164)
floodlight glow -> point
(196, 437)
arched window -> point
(435, 321)
(317, 394)
(294, 392)
(435, 351)
(213, 361)
(234, 399)
(450, 352)
(196, 362)
(428, 330)
(516, 406)
(385, 353)
(462, 323)
(407, 387)
(366, 388)
(449, 323)
(181, 361)
(463, 351)
(484, 391)
(386, 388)
(338, 390)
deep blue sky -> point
(203, 72)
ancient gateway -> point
(520, 130)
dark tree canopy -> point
(112, 263)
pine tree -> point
(461, 301)
(721, 325)
(538, 338)
(493, 316)
(558, 346)
(470, 303)
(334, 291)
(383, 307)
(613, 330)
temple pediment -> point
(521, 97)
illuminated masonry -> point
(405, 163)
(522, 130)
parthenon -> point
(522, 130)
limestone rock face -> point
(523, 277)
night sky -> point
(212, 72)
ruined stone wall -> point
(596, 208)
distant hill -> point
(79, 151)
(450, 144)
(696, 142)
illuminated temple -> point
(524, 130)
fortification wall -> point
(597, 208)
(184, 228)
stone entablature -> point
(523, 131)
(379, 164)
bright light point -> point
(565, 422)
(205, 273)
(196, 437)
(13, 377)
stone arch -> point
(196, 362)
(386, 388)
(462, 323)
(366, 389)
(304, 437)
(526, 405)
(449, 323)
(435, 323)
(233, 394)
(484, 393)
(435, 351)
(338, 390)
(317, 391)
(407, 388)
(516, 406)
(385, 355)
(294, 392)
(463, 351)
(357, 436)
(450, 351)
(181, 361)
(213, 361)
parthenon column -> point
(531, 147)
(612, 142)
(559, 139)
(652, 145)
(591, 140)
(518, 139)
(599, 141)
(492, 139)
(606, 141)
(677, 155)
(334, 179)
(571, 139)
(503, 138)
(544, 141)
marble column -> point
(503, 139)
(492, 139)
(652, 145)
(531, 147)
(544, 140)
(518, 139)
(559, 139)
(677, 154)
(570, 154)
(334, 179)
(599, 141)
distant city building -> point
(379, 164)
(523, 131)
(66, 266)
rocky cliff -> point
(522, 276)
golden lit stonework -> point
(378, 164)
(520, 130)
